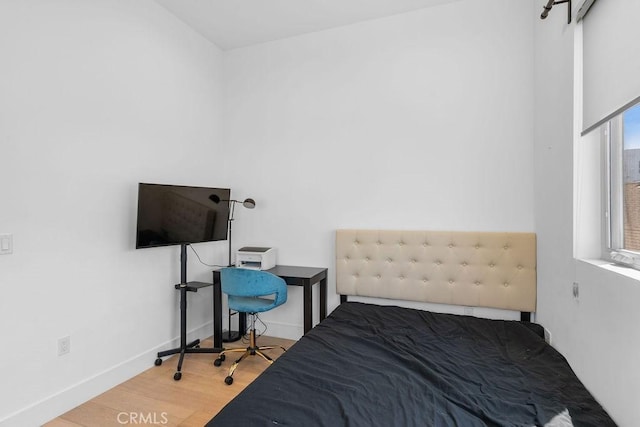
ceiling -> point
(232, 24)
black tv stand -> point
(194, 346)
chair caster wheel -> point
(228, 380)
(217, 362)
(158, 362)
(177, 376)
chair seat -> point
(250, 304)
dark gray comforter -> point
(369, 365)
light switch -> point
(6, 244)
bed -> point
(384, 365)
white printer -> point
(256, 258)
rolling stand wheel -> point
(219, 360)
(158, 362)
(228, 380)
(177, 376)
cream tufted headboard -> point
(479, 269)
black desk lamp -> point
(249, 204)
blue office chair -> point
(252, 292)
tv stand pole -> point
(194, 346)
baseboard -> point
(283, 330)
(57, 404)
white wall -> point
(418, 121)
(421, 120)
(95, 96)
(597, 332)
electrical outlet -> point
(6, 244)
(64, 346)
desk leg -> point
(323, 299)
(217, 312)
(308, 306)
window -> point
(622, 224)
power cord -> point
(245, 335)
(204, 263)
(263, 324)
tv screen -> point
(175, 214)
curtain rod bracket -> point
(552, 3)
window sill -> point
(622, 270)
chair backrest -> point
(242, 282)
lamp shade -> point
(247, 203)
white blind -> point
(611, 52)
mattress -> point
(370, 365)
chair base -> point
(251, 350)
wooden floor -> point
(153, 397)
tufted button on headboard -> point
(479, 269)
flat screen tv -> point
(176, 215)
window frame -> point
(613, 183)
